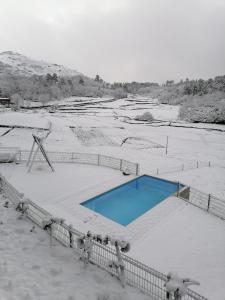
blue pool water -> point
(127, 202)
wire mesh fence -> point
(84, 158)
(137, 274)
(9, 154)
(191, 165)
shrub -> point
(209, 108)
(119, 93)
(147, 116)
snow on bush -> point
(7, 157)
(119, 94)
(147, 116)
(177, 287)
(49, 220)
(203, 114)
(47, 224)
(23, 207)
(209, 108)
(85, 244)
(17, 101)
(121, 246)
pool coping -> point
(182, 187)
(120, 185)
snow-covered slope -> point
(19, 64)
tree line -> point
(49, 87)
(53, 87)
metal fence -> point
(84, 158)
(137, 274)
(9, 154)
(191, 165)
(207, 202)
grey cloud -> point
(142, 40)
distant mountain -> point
(16, 79)
(18, 64)
(33, 80)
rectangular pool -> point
(130, 200)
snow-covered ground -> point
(28, 119)
(31, 269)
(173, 235)
(23, 65)
(190, 242)
(207, 179)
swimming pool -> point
(130, 200)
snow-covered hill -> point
(19, 64)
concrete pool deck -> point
(61, 193)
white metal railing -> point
(207, 202)
(137, 274)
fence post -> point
(178, 188)
(197, 164)
(1, 183)
(209, 164)
(20, 154)
(98, 159)
(121, 164)
(209, 199)
(137, 169)
(71, 236)
(157, 171)
(167, 142)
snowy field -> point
(172, 236)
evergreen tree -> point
(81, 81)
(97, 78)
(48, 77)
(54, 77)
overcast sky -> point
(121, 40)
